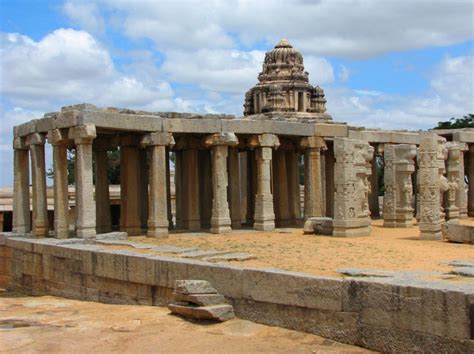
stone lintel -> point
(158, 138)
(19, 143)
(35, 139)
(58, 137)
(229, 139)
(83, 134)
(264, 140)
(105, 143)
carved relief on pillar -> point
(399, 166)
(452, 198)
(431, 155)
(351, 203)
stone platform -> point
(391, 312)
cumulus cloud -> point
(85, 14)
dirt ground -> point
(290, 249)
(50, 324)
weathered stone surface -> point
(318, 226)
(193, 287)
(112, 236)
(230, 257)
(463, 271)
(201, 253)
(200, 299)
(219, 313)
(454, 232)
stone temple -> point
(231, 172)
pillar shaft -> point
(205, 188)
(102, 196)
(281, 190)
(38, 176)
(374, 206)
(294, 186)
(129, 187)
(264, 214)
(234, 188)
(470, 175)
(220, 220)
(158, 207)
(21, 190)
(190, 195)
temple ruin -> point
(233, 172)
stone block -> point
(455, 232)
(191, 125)
(219, 313)
(112, 236)
(295, 289)
(67, 119)
(187, 287)
(44, 125)
(200, 299)
(134, 268)
(122, 121)
(318, 225)
(244, 126)
(288, 128)
(330, 130)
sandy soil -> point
(49, 324)
(289, 249)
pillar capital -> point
(83, 134)
(19, 143)
(229, 139)
(35, 139)
(264, 140)
(313, 142)
(157, 138)
(57, 137)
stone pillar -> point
(243, 171)
(178, 188)
(205, 187)
(220, 220)
(264, 214)
(470, 176)
(452, 202)
(158, 222)
(129, 186)
(21, 188)
(58, 138)
(462, 185)
(102, 197)
(38, 175)
(233, 171)
(312, 175)
(330, 189)
(143, 176)
(374, 186)
(168, 187)
(292, 163)
(85, 206)
(351, 199)
(399, 166)
(251, 186)
(280, 188)
(429, 186)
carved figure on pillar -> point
(452, 201)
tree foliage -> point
(456, 123)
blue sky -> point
(383, 64)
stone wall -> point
(383, 314)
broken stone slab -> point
(200, 299)
(122, 236)
(463, 271)
(219, 313)
(455, 232)
(187, 287)
(459, 263)
(172, 249)
(318, 225)
(356, 272)
(231, 257)
(202, 253)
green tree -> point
(456, 123)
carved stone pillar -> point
(312, 175)
(280, 188)
(264, 214)
(36, 142)
(374, 185)
(351, 200)
(462, 186)
(129, 186)
(143, 176)
(85, 205)
(158, 222)
(205, 187)
(429, 186)
(58, 138)
(178, 188)
(399, 166)
(292, 162)
(21, 188)
(220, 220)
(452, 200)
(470, 176)
(233, 169)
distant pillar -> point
(233, 168)
(38, 175)
(452, 201)
(294, 186)
(280, 188)
(374, 186)
(85, 205)
(264, 214)
(158, 222)
(220, 220)
(462, 186)
(470, 175)
(59, 140)
(102, 196)
(21, 188)
(312, 176)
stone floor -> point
(50, 324)
(288, 249)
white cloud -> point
(343, 73)
(85, 14)
(320, 70)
